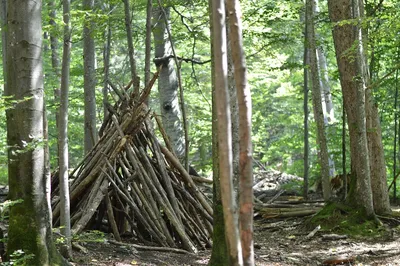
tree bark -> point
(306, 163)
(89, 85)
(3, 17)
(326, 96)
(168, 83)
(353, 88)
(233, 101)
(245, 144)
(224, 133)
(317, 103)
(380, 194)
(131, 52)
(147, 63)
(30, 220)
(106, 58)
(65, 218)
(219, 253)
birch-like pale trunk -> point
(168, 83)
(65, 218)
(317, 103)
(225, 133)
(89, 79)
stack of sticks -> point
(131, 182)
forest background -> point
(274, 44)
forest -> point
(188, 132)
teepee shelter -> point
(130, 183)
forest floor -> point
(277, 242)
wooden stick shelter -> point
(130, 180)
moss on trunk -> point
(219, 255)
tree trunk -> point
(30, 220)
(233, 101)
(89, 85)
(65, 219)
(147, 63)
(131, 52)
(317, 103)
(219, 253)
(3, 17)
(379, 186)
(106, 59)
(225, 133)
(326, 96)
(353, 89)
(305, 106)
(245, 144)
(168, 83)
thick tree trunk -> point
(168, 83)
(317, 103)
(30, 220)
(89, 85)
(65, 218)
(353, 89)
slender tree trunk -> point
(55, 60)
(345, 183)
(353, 89)
(219, 253)
(396, 115)
(233, 101)
(317, 105)
(91, 135)
(3, 17)
(225, 133)
(131, 52)
(106, 59)
(245, 144)
(30, 220)
(147, 60)
(65, 219)
(168, 83)
(326, 96)
(305, 106)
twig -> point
(313, 232)
(139, 247)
